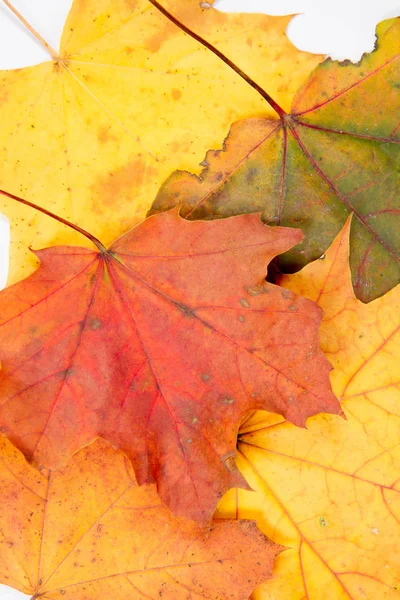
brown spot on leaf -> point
(256, 290)
(176, 94)
(95, 323)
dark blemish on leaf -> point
(251, 175)
(228, 401)
(287, 294)
(244, 303)
(92, 278)
(206, 377)
(93, 560)
(292, 308)
(62, 592)
(241, 318)
(99, 528)
(94, 323)
(176, 94)
(322, 522)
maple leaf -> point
(335, 154)
(130, 97)
(161, 345)
(332, 492)
(89, 531)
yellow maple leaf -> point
(91, 134)
(331, 493)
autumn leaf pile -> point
(200, 340)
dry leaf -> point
(335, 154)
(332, 492)
(88, 532)
(92, 134)
(161, 345)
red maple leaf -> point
(161, 345)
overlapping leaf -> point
(88, 531)
(332, 492)
(92, 134)
(161, 345)
(336, 153)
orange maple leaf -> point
(88, 531)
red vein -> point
(121, 294)
(215, 330)
(196, 254)
(72, 357)
(342, 92)
(232, 170)
(339, 195)
(45, 298)
(349, 133)
(283, 175)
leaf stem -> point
(54, 55)
(222, 56)
(91, 237)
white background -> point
(340, 29)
